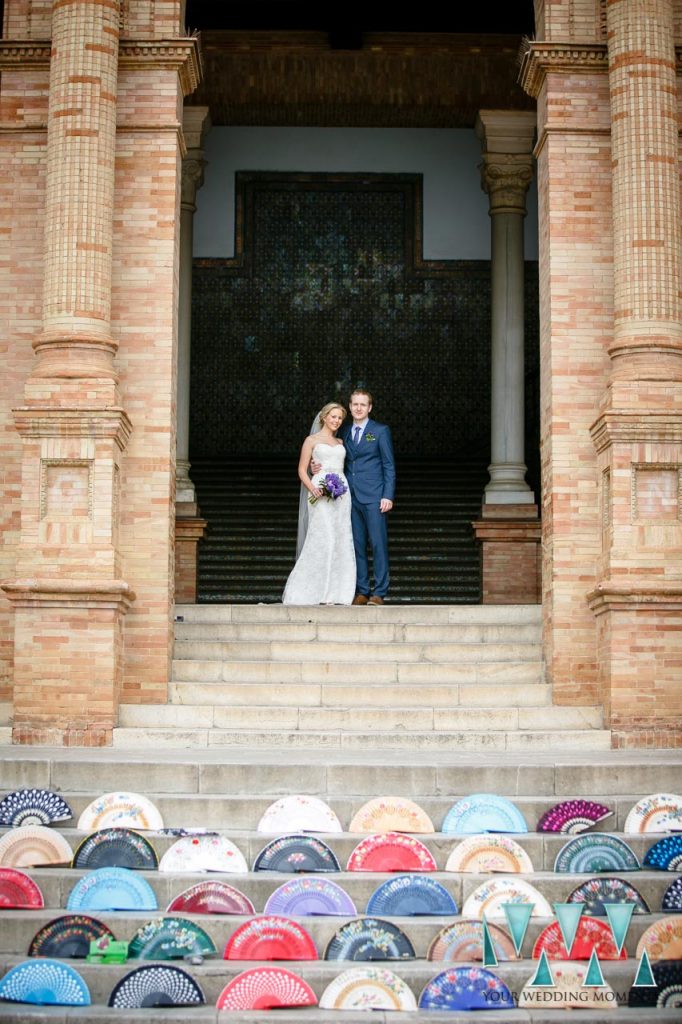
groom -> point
(370, 471)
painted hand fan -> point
(33, 807)
(270, 938)
(466, 988)
(489, 853)
(204, 853)
(598, 851)
(672, 897)
(18, 890)
(44, 983)
(156, 985)
(369, 938)
(597, 892)
(308, 897)
(391, 851)
(463, 940)
(367, 988)
(127, 810)
(211, 897)
(665, 855)
(411, 896)
(264, 988)
(296, 853)
(489, 897)
(483, 812)
(662, 940)
(116, 847)
(659, 812)
(111, 889)
(170, 938)
(299, 814)
(569, 983)
(68, 936)
(33, 845)
(667, 995)
(573, 816)
(391, 814)
(591, 934)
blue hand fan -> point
(411, 896)
(665, 855)
(112, 889)
(483, 812)
(466, 988)
(44, 983)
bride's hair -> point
(325, 410)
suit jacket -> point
(370, 466)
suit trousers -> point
(369, 524)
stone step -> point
(403, 721)
(209, 1015)
(20, 927)
(240, 812)
(506, 614)
(214, 974)
(368, 653)
(379, 673)
(359, 632)
(483, 741)
(559, 774)
(479, 695)
(541, 848)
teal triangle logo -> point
(543, 977)
(619, 915)
(489, 956)
(568, 915)
(594, 977)
(645, 976)
(518, 915)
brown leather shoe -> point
(360, 599)
(375, 599)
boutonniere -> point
(370, 437)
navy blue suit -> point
(370, 471)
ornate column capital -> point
(192, 178)
(506, 178)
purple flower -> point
(332, 487)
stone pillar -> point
(510, 540)
(638, 434)
(189, 526)
(68, 593)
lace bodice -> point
(325, 570)
(331, 456)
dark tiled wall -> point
(329, 290)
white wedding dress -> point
(325, 569)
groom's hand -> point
(315, 467)
(385, 505)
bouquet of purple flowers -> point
(332, 487)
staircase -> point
(252, 509)
(401, 677)
(228, 790)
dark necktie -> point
(356, 439)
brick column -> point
(509, 528)
(68, 593)
(638, 434)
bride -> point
(325, 566)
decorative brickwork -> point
(609, 285)
(96, 430)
